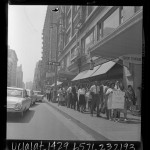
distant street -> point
(43, 122)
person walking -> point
(94, 90)
(74, 97)
(81, 97)
(69, 92)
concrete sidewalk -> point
(113, 131)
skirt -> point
(82, 100)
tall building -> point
(12, 68)
(37, 83)
(19, 77)
(49, 45)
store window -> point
(111, 23)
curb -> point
(92, 132)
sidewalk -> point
(113, 131)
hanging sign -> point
(132, 58)
(118, 99)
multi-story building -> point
(102, 33)
(37, 84)
(49, 45)
(12, 68)
(19, 77)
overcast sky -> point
(25, 25)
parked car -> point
(17, 100)
(39, 96)
(31, 96)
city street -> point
(43, 122)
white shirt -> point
(95, 89)
(81, 91)
(69, 89)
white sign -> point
(118, 99)
(132, 58)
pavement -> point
(109, 130)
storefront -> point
(125, 43)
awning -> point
(126, 39)
(90, 72)
(80, 75)
(104, 68)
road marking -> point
(76, 130)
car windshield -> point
(14, 92)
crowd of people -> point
(95, 97)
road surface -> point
(42, 122)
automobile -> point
(31, 96)
(39, 96)
(18, 100)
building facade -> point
(19, 79)
(98, 34)
(12, 68)
(49, 45)
(102, 33)
(37, 82)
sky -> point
(25, 26)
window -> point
(69, 19)
(68, 37)
(128, 12)
(89, 10)
(89, 40)
(14, 93)
(68, 60)
(137, 8)
(111, 23)
(121, 14)
(99, 31)
(74, 53)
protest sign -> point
(118, 99)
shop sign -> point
(136, 59)
(118, 99)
